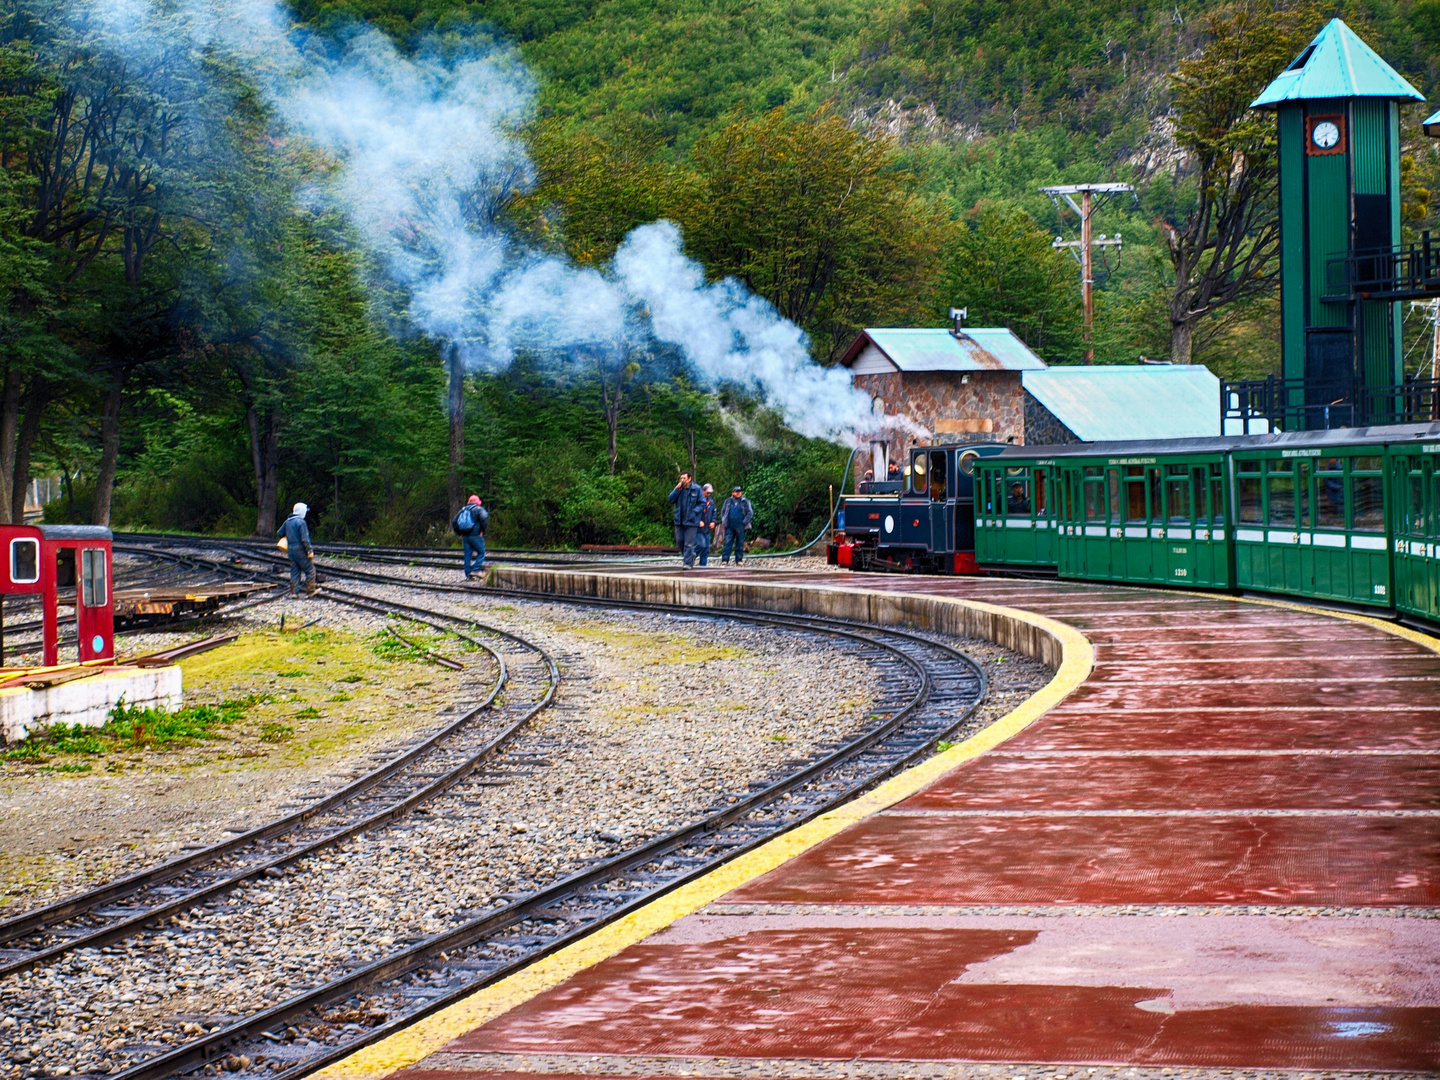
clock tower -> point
(1337, 109)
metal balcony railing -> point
(1407, 272)
(1256, 406)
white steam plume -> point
(427, 154)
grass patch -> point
(352, 679)
(309, 713)
(274, 732)
(132, 727)
(340, 697)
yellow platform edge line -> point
(424, 1037)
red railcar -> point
(66, 566)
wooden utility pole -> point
(1084, 248)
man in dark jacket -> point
(302, 555)
(470, 523)
(736, 513)
(689, 503)
(707, 526)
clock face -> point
(1326, 134)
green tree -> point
(816, 217)
(1004, 271)
(1227, 247)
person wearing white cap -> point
(295, 539)
(706, 531)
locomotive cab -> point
(925, 525)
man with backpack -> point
(706, 530)
(736, 513)
(469, 525)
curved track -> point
(419, 773)
(931, 689)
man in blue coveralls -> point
(302, 555)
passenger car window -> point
(1415, 505)
(1177, 499)
(1330, 501)
(24, 561)
(1282, 496)
(1251, 508)
(1017, 491)
(1368, 503)
(1040, 492)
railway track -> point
(929, 692)
(393, 788)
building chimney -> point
(958, 314)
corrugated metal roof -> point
(1336, 64)
(1110, 403)
(978, 349)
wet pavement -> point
(1222, 852)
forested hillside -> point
(195, 336)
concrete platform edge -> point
(1062, 648)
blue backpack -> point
(464, 523)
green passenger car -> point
(1144, 515)
(1015, 512)
(1310, 521)
(1414, 474)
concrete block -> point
(88, 701)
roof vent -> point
(1302, 58)
(959, 314)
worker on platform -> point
(295, 539)
(736, 513)
(705, 532)
(470, 524)
(689, 501)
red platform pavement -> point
(1223, 850)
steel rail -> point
(43, 918)
(211, 1046)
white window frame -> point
(24, 540)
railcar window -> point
(1199, 485)
(1282, 498)
(1329, 501)
(1113, 476)
(1217, 494)
(24, 561)
(1366, 464)
(1094, 497)
(939, 475)
(1252, 505)
(1177, 499)
(919, 483)
(1302, 493)
(1415, 505)
(1134, 493)
(92, 577)
(1041, 506)
(1155, 485)
(1367, 500)
(1017, 491)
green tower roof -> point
(1337, 64)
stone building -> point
(963, 387)
(986, 385)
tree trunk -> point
(1182, 342)
(9, 425)
(265, 455)
(109, 448)
(457, 430)
(35, 402)
(610, 404)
